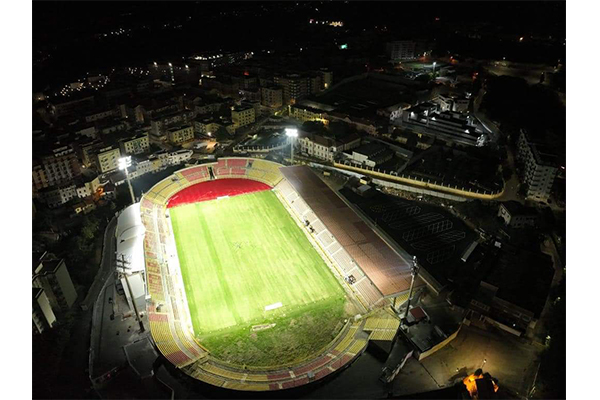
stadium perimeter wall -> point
(181, 349)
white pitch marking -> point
(273, 306)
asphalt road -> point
(73, 379)
(108, 255)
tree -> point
(313, 127)
(340, 129)
(222, 134)
(90, 227)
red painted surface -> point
(218, 188)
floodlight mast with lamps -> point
(125, 162)
(292, 133)
(414, 271)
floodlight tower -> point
(291, 133)
(414, 272)
(125, 162)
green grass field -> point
(241, 254)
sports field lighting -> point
(414, 272)
(292, 133)
(125, 162)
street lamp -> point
(292, 133)
(125, 162)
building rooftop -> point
(370, 149)
(522, 278)
(243, 107)
(37, 292)
(46, 266)
(516, 208)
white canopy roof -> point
(130, 238)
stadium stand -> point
(388, 272)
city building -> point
(58, 195)
(516, 215)
(205, 126)
(305, 113)
(202, 108)
(401, 50)
(107, 126)
(243, 115)
(180, 156)
(52, 275)
(137, 144)
(98, 114)
(294, 87)
(539, 166)
(326, 78)
(180, 134)
(452, 103)
(326, 148)
(87, 150)
(61, 165)
(448, 126)
(271, 96)
(250, 94)
(513, 293)
(108, 159)
(62, 106)
(42, 315)
(40, 181)
(160, 123)
(88, 184)
(369, 155)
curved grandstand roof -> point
(130, 238)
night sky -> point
(68, 37)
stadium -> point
(259, 277)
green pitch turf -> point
(241, 254)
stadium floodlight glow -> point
(125, 162)
(292, 133)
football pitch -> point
(245, 262)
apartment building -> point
(108, 159)
(43, 317)
(160, 123)
(243, 115)
(539, 166)
(305, 113)
(58, 195)
(294, 87)
(51, 275)
(326, 148)
(40, 181)
(515, 215)
(180, 134)
(271, 96)
(57, 167)
(137, 144)
(401, 50)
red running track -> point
(210, 190)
